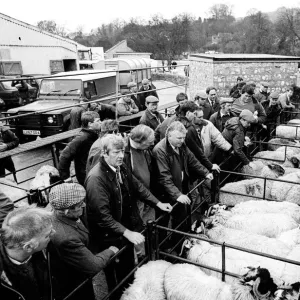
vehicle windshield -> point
(7, 84)
(60, 87)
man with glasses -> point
(78, 149)
(71, 260)
(146, 91)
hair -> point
(109, 125)
(175, 126)
(88, 116)
(141, 133)
(187, 106)
(24, 224)
(125, 93)
(110, 141)
(145, 80)
(241, 84)
(290, 88)
(248, 89)
(181, 97)
(209, 89)
(239, 78)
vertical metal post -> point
(149, 244)
(54, 156)
(265, 186)
(223, 262)
(186, 83)
(156, 241)
(189, 216)
(215, 187)
(117, 92)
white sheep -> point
(286, 191)
(290, 237)
(262, 169)
(291, 273)
(270, 225)
(289, 132)
(248, 240)
(187, 282)
(264, 206)
(148, 283)
(280, 142)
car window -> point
(60, 86)
(89, 86)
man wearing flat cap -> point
(220, 117)
(71, 260)
(234, 132)
(262, 94)
(201, 99)
(146, 91)
(151, 117)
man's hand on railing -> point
(264, 126)
(3, 147)
(134, 237)
(164, 206)
(210, 176)
(215, 167)
(114, 249)
(184, 199)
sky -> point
(92, 13)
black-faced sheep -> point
(288, 292)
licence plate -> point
(31, 132)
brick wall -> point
(222, 75)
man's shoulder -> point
(160, 146)
(214, 115)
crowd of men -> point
(124, 181)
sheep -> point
(11, 190)
(250, 188)
(288, 292)
(286, 191)
(247, 240)
(270, 170)
(290, 237)
(202, 252)
(289, 132)
(187, 282)
(279, 143)
(148, 283)
(291, 273)
(270, 225)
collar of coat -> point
(111, 175)
(71, 222)
(170, 150)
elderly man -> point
(126, 106)
(24, 272)
(111, 203)
(8, 141)
(71, 260)
(234, 133)
(132, 87)
(160, 131)
(220, 117)
(78, 149)
(177, 169)
(247, 101)
(145, 91)
(151, 117)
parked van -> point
(59, 92)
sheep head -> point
(288, 292)
(295, 161)
(279, 170)
(262, 284)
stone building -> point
(222, 70)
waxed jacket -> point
(272, 111)
(142, 96)
(77, 150)
(15, 282)
(208, 110)
(150, 120)
(234, 133)
(71, 260)
(216, 119)
(104, 202)
(169, 173)
(6, 205)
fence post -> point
(54, 156)
(223, 262)
(149, 244)
(215, 187)
(189, 216)
(156, 241)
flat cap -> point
(247, 115)
(274, 95)
(226, 100)
(201, 94)
(152, 99)
(65, 195)
(131, 84)
(145, 81)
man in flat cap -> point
(151, 117)
(146, 89)
(262, 94)
(234, 132)
(220, 117)
(71, 260)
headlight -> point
(50, 120)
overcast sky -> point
(92, 13)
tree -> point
(52, 27)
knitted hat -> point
(65, 195)
(131, 84)
(247, 115)
(274, 95)
(201, 94)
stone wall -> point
(223, 74)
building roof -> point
(117, 45)
(243, 57)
